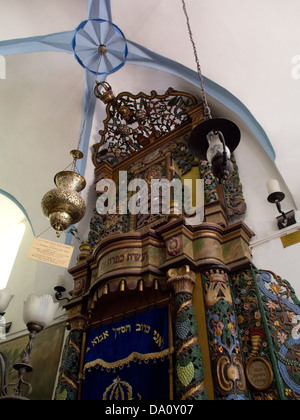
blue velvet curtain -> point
(129, 360)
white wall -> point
(30, 277)
(256, 170)
(282, 261)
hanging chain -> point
(207, 111)
(73, 164)
(89, 104)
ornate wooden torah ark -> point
(161, 308)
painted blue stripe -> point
(59, 42)
(85, 141)
(99, 9)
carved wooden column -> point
(68, 386)
(189, 371)
(69, 381)
(227, 364)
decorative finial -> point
(103, 91)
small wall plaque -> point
(259, 373)
(291, 239)
(50, 252)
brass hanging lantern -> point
(63, 206)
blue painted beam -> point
(99, 9)
(58, 42)
(89, 103)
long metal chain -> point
(207, 110)
(89, 105)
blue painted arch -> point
(19, 205)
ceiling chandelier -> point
(216, 138)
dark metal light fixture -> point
(60, 288)
(276, 196)
(59, 293)
(216, 138)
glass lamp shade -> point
(199, 141)
(216, 147)
(39, 310)
(5, 299)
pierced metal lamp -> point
(63, 206)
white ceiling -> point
(245, 47)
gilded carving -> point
(182, 280)
(174, 246)
(79, 286)
(136, 121)
(259, 373)
(230, 381)
(217, 289)
(230, 372)
(85, 251)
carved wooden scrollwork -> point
(135, 121)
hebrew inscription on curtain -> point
(129, 359)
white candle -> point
(61, 281)
(273, 186)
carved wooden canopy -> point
(146, 135)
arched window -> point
(12, 229)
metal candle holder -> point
(276, 197)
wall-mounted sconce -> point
(60, 289)
(38, 314)
(276, 196)
(5, 299)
